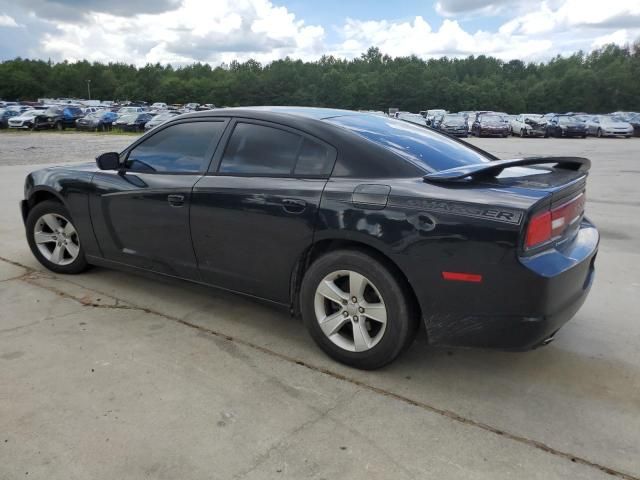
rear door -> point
(254, 214)
(141, 214)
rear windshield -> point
(429, 150)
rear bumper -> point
(551, 287)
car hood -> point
(25, 117)
(615, 123)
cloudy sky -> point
(216, 31)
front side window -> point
(181, 148)
(261, 150)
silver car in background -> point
(608, 126)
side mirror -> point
(108, 161)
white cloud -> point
(197, 30)
(186, 31)
(7, 21)
(418, 38)
(548, 28)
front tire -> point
(54, 239)
(356, 309)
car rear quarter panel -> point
(427, 229)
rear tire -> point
(54, 239)
(59, 126)
(599, 133)
(365, 334)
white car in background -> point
(608, 126)
(528, 125)
(159, 106)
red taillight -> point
(553, 223)
(539, 230)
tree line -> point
(605, 80)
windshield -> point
(534, 117)
(566, 120)
(129, 117)
(31, 113)
(454, 119)
(429, 150)
(491, 118)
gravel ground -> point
(28, 148)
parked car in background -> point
(608, 126)
(191, 107)
(160, 119)
(5, 115)
(70, 115)
(632, 118)
(158, 106)
(470, 115)
(127, 110)
(38, 119)
(453, 124)
(97, 121)
(412, 117)
(132, 122)
(432, 113)
(88, 110)
(565, 126)
(528, 125)
(490, 125)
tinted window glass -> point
(179, 148)
(314, 159)
(422, 146)
(259, 150)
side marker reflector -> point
(462, 277)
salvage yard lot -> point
(112, 375)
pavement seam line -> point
(381, 391)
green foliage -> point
(602, 81)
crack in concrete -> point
(365, 386)
(263, 457)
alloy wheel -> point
(350, 310)
(56, 239)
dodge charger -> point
(365, 227)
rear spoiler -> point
(494, 168)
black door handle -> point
(175, 200)
(293, 205)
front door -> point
(141, 213)
(254, 215)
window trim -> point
(124, 155)
(214, 168)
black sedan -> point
(453, 124)
(132, 122)
(365, 226)
(566, 126)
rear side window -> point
(181, 148)
(261, 150)
(425, 148)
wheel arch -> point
(39, 195)
(325, 245)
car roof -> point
(317, 113)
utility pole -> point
(89, 88)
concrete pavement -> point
(112, 375)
